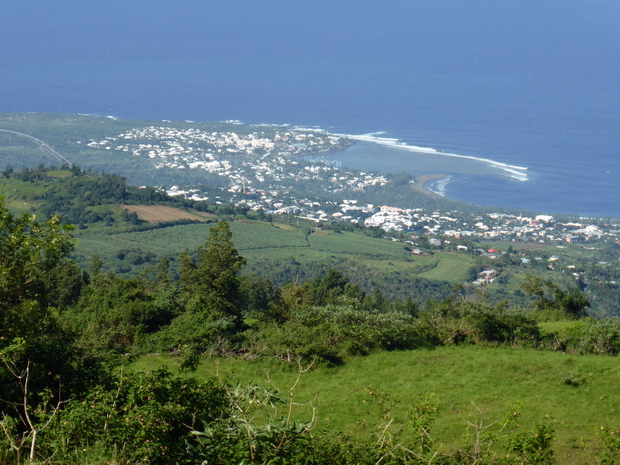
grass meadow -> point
(579, 394)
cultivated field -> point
(260, 241)
(159, 213)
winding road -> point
(46, 148)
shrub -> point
(480, 323)
(333, 332)
(600, 337)
(147, 417)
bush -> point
(480, 323)
(333, 332)
(601, 337)
(147, 417)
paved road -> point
(46, 148)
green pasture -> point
(172, 240)
(88, 246)
(14, 189)
(450, 267)
(472, 384)
(357, 244)
(255, 236)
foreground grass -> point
(578, 393)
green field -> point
(250, 238)
(470, 382)
(258, 241)
(450, 267)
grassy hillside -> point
(471, 383)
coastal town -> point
(264, 170)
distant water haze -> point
(520, 82)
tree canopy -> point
(29, 252)
(211, 282)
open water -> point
(520, 83)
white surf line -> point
(438, 186)
(515, 172)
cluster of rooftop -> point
(493, 226)
(214, 151)
(255, 163)
(263, 169)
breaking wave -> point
(513, 171)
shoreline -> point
(421, 181)
(513, 171)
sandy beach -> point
(422, 180)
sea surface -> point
(517, 83)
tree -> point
(211, 297)
(113, 313)
(333, 286)
(210, 284)
(29, 251)
(256, 293)
(36, 355)
(64, 285)
(549, 296)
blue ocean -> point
(520, 83)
